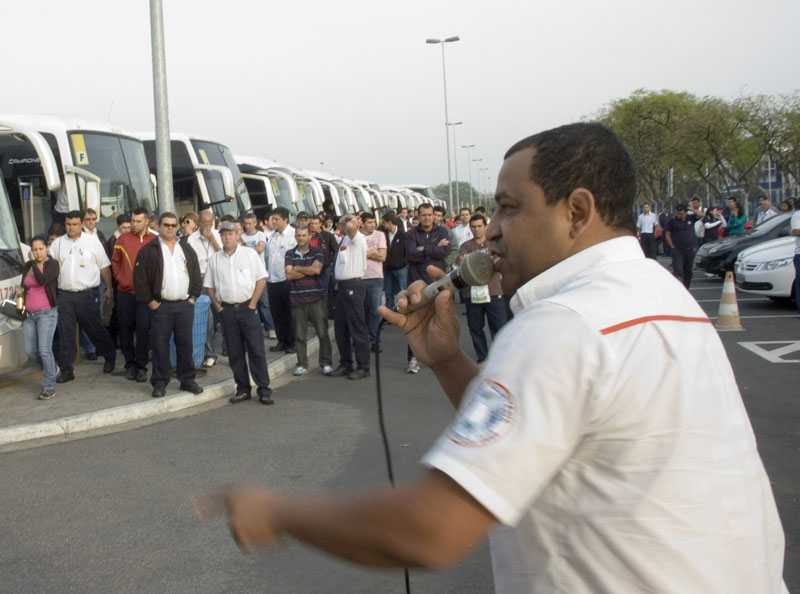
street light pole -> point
(482, 183)
(455, 160)
(166, 200)
(446, 118)
(469, 172)
(478, 175)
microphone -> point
(476, 270)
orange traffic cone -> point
(728, 318)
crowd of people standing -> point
(248, 280)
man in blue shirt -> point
(682, 243)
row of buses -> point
(51, 163)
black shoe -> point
(376, 348)
(141, 375)
(64, 377)
(240, 397)
(130, 373)
(194, 388)
(358, 374)
(340, 371)
(266, 399)
(108, 366)
(278, 347)
(291, 350)
(158, 392)
(90, 356)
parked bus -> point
(12, 341)
(269, 185)
(204, 175)
(96, 166)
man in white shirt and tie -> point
(646, 226)
(278, 288)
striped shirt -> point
(308, 289)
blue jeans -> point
(372, 301)
(797, 280)
(394, 281)
(494, 312)
(264, 313)
(40, 326)
(86, 343)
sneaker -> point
(327, 370)
(209, 362)
(47, 394)
(271, 335)
(413, 365)
(299, 370)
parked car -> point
(768, 269)
(719, 256)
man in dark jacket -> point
(395, 269)
(167, 278)
(326, 242)
(427, 244)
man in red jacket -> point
(133, 315)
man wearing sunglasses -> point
(167, 278)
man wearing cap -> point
(235, 280)
(167, 278)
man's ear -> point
(582, 211)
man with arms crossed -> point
(594, 472)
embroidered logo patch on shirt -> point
(487, 416)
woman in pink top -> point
(40, 281)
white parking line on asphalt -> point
(760, 317)
(774, 355)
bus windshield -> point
(211, 153)
(121, 165)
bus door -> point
(284, 188)
(259, 187)
(30, 172)
(331, 197)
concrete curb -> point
(119, 415)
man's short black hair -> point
(367, 216)
(123, 218)
(681, 207)
(478, 216)
(74, 214)
(167, 215)
(424, 205)
(439, 208)
(141, 210)
(480, 209)
(282, 212)
(584, 155)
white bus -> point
(97, 166)
(204, 175)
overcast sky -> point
(353, 84)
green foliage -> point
(708, 142)
(441, 192)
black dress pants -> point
(350, 325)
(245, 336)
(134, 329)
(281, 307)
(80, 308)
(172, 317)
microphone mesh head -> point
(477, 269)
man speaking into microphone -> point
(603, 447)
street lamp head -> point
(449, 39)
(433, 41)
(467, 146)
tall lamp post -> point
(446, 118)
(483, 185)
(455, 160)
(469, 172)
(478, 175)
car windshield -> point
(768, 225)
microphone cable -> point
(384, 437)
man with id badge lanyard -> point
(484, 302)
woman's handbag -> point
(14, 310)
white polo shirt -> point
(175, 281)
(351, 260)
(277, 245)
(234, 277)
(607, 435)
(203, 247)
(462, 233)
(81, 261)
